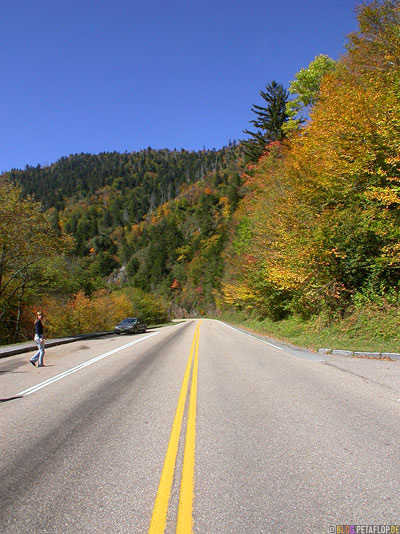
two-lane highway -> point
(194, 428)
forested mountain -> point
(143, 179)
(149, 219)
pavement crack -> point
(368, 380)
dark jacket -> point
(38, 328)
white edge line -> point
(250, 335)
(81, 366)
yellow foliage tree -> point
(324, 210)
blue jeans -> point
(40, 353)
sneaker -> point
(33, 363)
(42, 365)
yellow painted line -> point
(159, 517)
(185, 510)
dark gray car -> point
(130, 325)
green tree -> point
(269, 120)
(306, 88)
(27, 237)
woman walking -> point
(39, 340)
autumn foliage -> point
(322, 216)
(311, 228)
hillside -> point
(143, 179)
(143, 219)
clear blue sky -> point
(105, 75)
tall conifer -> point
(269, 120)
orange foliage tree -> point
(323, 211)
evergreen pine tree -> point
(269, 120)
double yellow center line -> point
(159, 517)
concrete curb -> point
(10, 350)
(359, 354)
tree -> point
(324, 210)
(306, 88)
(27, 237)
(269, 120)
(375, 46)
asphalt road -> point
(249, 437)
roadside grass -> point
(369, 329)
